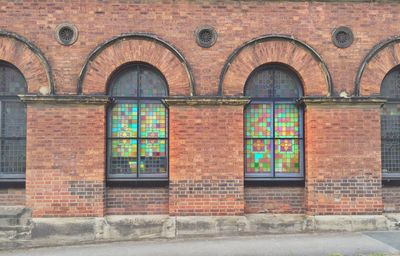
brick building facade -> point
(68, 103)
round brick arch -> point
(300, 57)
(378, 62)
(127, 48)
(30, 61)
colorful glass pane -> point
(124, 120)
(153, 120)
(153, 157)
(124, 156)
(259, 121)
(287, 156)
(258, 156)
(152, 84)
(286, 120)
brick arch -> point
(128, 48)
(379, 61)
(303, 59)
(29, 60)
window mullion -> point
(138, 141)
(273, 139)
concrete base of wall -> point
(61, 231)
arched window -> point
(12, 122)
(273, 125)
(138, 124)
(390, 124)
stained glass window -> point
(12, 123)
(138, 124)
(390, 125)
(273, 125)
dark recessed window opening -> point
(137, 140)
(12, 123)
(273, 125)
(390, 125)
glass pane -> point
(285, 85)
(286, 120)
(12, 159)
(14, 119)
(391, 84)
(259, 120)
(124, 120)
(153, 118)
(390, 133)
(390, 156)
(11, 81)
(123, 157)
(390, 121)
(152, 84)
(153, 157)
(126, 83)
(260, 84)
(287, 156)
(258, 156)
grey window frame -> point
(273, 176)
(136, 100)
(12, 98)
(391, 100)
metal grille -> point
(390, 87)
(273, 82)
(273, 125)
(390, 134)
(12, 123)
(138, 125)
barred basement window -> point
(12, 123)
(138, 124)
(390, 124)
(273, 125)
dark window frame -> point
(274, 177)
(116, 179)
(12, 178)
(392, 99)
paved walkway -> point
(332, 244)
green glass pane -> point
(258, 156)
(124, 120)
(287, 156)
(153, 118)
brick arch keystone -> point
(284, 49)
(136, 47)
(30, 61)
(377, 63)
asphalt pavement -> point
(329, 244)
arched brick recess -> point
(106, 58)
(378, 62)
(276, 49)
(29, 60)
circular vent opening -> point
(206, 36)
(342, 37)
(66, 34)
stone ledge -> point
(64, 99)
(63, 231)
(341, 101)
(193, 101)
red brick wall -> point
(65, 160)
(12, 196)
(343, 168)
(175, 21)
(274, 200)
(391, 199)
(206, 160)
(127, 200)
